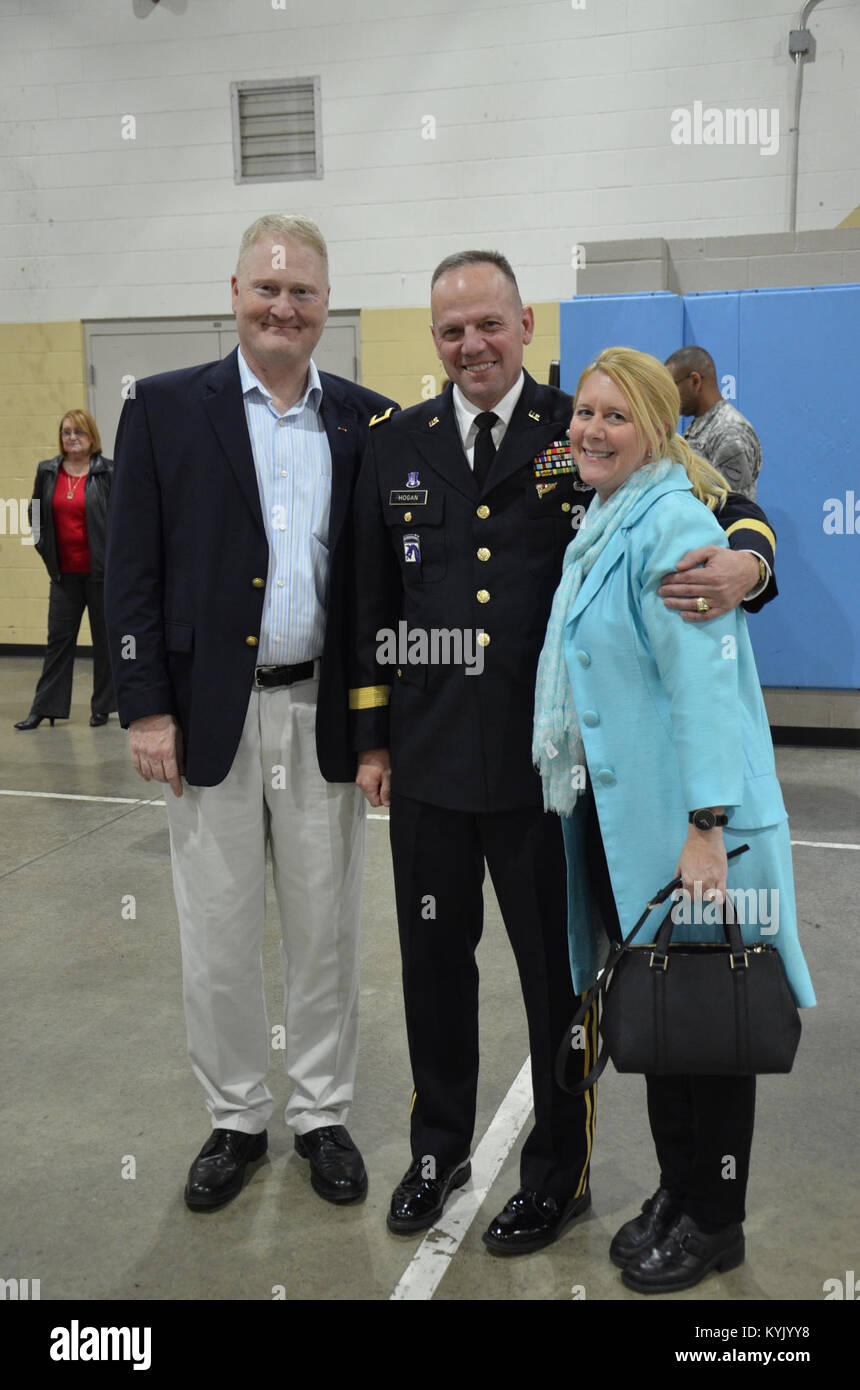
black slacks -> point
(702, 1125)
(439, 860)
(68, 599)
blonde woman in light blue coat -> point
(643, 721)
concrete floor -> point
(95, 1072)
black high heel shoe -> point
(33, 721)
(96, 720)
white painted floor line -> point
(371, 815)
(823, 844)
(433, 1257)
(77, 796)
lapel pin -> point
(342, 429)
(533, 415)
(433, 422)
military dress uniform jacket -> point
(437, 554)
(188, 560)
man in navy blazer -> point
(229, 562)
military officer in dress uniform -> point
(464, 507)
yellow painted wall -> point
(42, 374)
(397, 352)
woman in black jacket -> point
(68, 515)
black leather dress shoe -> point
(96, 720)
(34, 720)
(337, 1169)
(417, 1202)
(530, 1221)
(658, 1214)
(217, 1173)
(684, 1256)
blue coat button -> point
(606, 777)
(590, 718)
(583, 658)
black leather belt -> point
(267, 677)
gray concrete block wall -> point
(689, 266)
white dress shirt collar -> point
(311, 396)
(466, 413)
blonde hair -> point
(280, 226)
(82, 420)
(655, 408)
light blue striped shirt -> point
(293, 463)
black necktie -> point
(485, 449)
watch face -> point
(704, 820)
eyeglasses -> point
(75, 434)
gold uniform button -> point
(251, 642)
(483, 639)
(483, 511)
(407, 516)
(399, 672)
(483, 553)
(482, 596)
(565, 506)
(259, 583)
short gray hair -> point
(463, 258)
(280, 226)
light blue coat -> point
(672, 719)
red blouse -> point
(70, 524)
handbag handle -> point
(598, 989)
(731, 932)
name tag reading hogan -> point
(403, 497)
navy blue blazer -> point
(187, 551)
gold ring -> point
(702, 605)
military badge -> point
(412, 549)
(412, 480)
(555, 461)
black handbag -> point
(688, 1008)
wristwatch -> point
(707, 820)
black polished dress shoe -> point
(96, 720)
(33, 721)
(684, 1256)
(658, 1214)
(417, 1202)
(530, 1221)
(337, 1169)
(217, 1173)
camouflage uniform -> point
(730, 443)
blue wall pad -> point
(713, 321)
(649, 322)
(792, 356)
(800, 356)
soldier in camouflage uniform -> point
(718, 432)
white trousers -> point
(275, 794)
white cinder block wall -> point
(553, 124)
